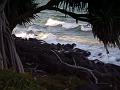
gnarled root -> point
(83, 69)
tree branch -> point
(81, 17)
(49, 6)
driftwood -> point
(83, 69)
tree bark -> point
(9, 58)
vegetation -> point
(61, 82)
(12, 14)
(103, 15)
(13, 81)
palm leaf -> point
(16, 9)
(71, 4)
(104, 15)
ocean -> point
(54, 27)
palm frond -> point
(104, 15)
(16, 9)
(72, 5)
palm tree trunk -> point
(8, 55)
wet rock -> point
(99, 54)
(34, 53)
(88, 87)
(118, 60)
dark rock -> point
(88, 87)
(83, 52)
(118, 60)
(33, 54)
(99, 54)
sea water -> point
(54, 27)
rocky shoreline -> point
(41, 58)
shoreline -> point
(37, 57)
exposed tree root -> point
(88, 71)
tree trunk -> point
(9, 58)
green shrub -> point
(60, 82)
(14, 81)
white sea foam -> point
(56, 31)
(25, 35)
(51, 22)
(48, 37)
(84, 26)
(83, 43)
(99, 52)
